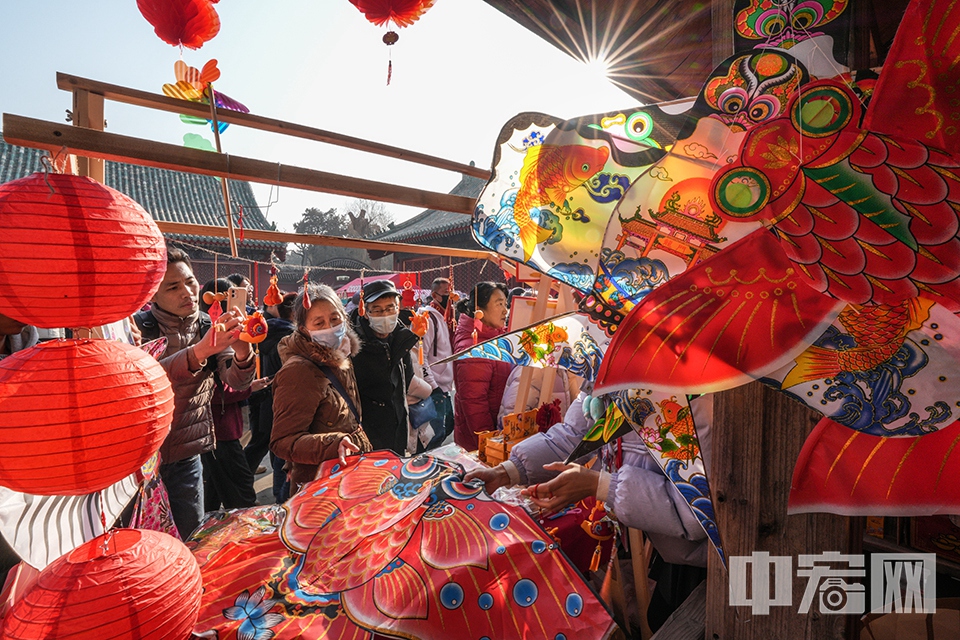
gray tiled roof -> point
(169, 196)
(432, 223)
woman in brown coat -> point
(315, 400)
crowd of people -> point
(335, 383)
(331, 383)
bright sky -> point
(459, 74)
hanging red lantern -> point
(402, 13)
(186, 23)
(127, 583)
(74, 253)
(78, 415)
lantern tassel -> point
(421, 352)
(389, 71)
(256, 360)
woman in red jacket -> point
(479, 383)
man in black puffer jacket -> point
(383, 367)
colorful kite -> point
(882, 370)
(854, 473)
(816, 32)
(860, 219)
(666, 426)
(398, 546)
(556, 184)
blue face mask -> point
(330, 337)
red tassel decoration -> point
(306, 294)
(240, 222)
(595, 560)
(361, 309)
(390, 38)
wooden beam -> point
(160, 102)
(721, 23)
(29, 132)
(327, 241)
(88, 113)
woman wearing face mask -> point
(316, 405)
(479, 383)
(383, 366)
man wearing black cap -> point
(383, 366)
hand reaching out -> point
(225, 333)
(492, 478)
(574, 483)
(346, 448)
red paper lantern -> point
(127, 583)
(403, 13)
(74, 253)
(78, 415)
(187, 23)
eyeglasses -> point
(384, 311)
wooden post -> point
(539, 313)
(565, 303)
(756, 436)
(225, 189)
(88, 113)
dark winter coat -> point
(479, 385)
(310, 417)
(228, 412)
(262, 401)
(192, 430)
(384, 370)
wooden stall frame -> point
(54, 137)
(160, 102)
(92, 145)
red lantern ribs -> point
(79, 415)
(74, 252)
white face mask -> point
(384, 324)
(330, 337)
